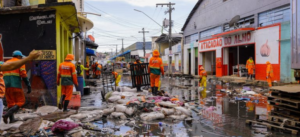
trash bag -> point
(120, 108)
(184, 111)
(167, 111)
(177, 117)
(108, 111)
(130, 111)
(167, 104)
(152, 116)
(63, 126)
(114, 98)
(44, 110)
(25, 116)
(117, 115)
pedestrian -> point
(98, 70)
(80, 69)
(15, 97)
(155, 69)
(67, 74)
(250, 66)
(87, 72)
(138, 72)
(94, 68)
(270, 74)
(202, 81)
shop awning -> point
(91, 44)
(126, 52)
(90, 52)
(232, 32)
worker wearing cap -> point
(250, 66)
(98, 70)
(138, 71)
(80, 69)
(15, 97)
(155, 68)
(270, 74)
(202, 81)
(67, 74)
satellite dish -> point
(234, 21)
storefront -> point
(231, 49)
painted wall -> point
(285, 53)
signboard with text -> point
(47, 55)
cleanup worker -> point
(98, 70)
(155, 68)
(94, 70)
(202, 81)
(15, 97)
(138, 71)
(270, 74)
(80, 69)
(67, 73)
(87, 72)
(250, 66)
(117, 78)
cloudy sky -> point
(119, 20)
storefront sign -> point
(47, 55)
(211, 44)
(238, 39)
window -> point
(187, 40)
(191, 38)
(274, 16)
(210, 32)
(244, 22)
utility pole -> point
(116, 50)
(144, 43)
(170, 30)
(122, 45)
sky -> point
(119, 20)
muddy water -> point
(227, 120)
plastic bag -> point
(184, 110)
(177, 117)
(130, 110)
(167, 104)
(44, 110)
(25, 116)
(114, 98)
(120, 108)
(167, 111)
(118, 115)
(62, 126)
(108, 111)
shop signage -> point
(211, 44)
(237, 39)
(47, 55)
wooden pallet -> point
(290, 123)
(294, 117)
(293, 103)
(272, 126)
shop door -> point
(213, 63)
(196, 66)
(231, 60)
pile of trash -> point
(125, 105)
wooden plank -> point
(271, 126)
(297, 118)
(287, 109)
(287, 88)
(274, 103)
(285, 99)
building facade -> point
(259, 29)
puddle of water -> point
(228, 117)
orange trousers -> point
(154, 79)
(14, 96)
(250, 71)
(67, 91)
(269, 80)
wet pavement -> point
(226, 119)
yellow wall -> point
(63, 45)
(35, 2)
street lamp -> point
(150, 18)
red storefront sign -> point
(210, 44)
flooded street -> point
(222, 115)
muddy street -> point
(221, 115)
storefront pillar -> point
(185, 59)
(192, 61)
(219, 62)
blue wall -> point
(285, 53)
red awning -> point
(232, 32)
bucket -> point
(86, 91)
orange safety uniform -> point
(87, 72)
(250, 66)
(2, 84)
(155, 68)
(270, 73)
(67, 73)
(94, 68)
(98, 69)
(13, 84)
(202, 81)
(115, 74)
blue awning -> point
(90, 52)
(126, 52)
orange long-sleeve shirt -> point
(67, 73)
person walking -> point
(202, 81)
(270, 74)
(250, 66)
(67, 74)
(8, 66)
(80, 69)
(98, 70)
(155, 69)
(15, 97)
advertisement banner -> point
(267, 45)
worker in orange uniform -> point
(94, 68)
(67, 73)
(15, 97)
(138, 71)
(98, 70)
(250, 66)
(270, 74)
(155, 68)
(202, 83)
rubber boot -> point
(66, 105)
(155, 91)
(247, 76)
(251, 77)
(10, 112)
(12, 118)
(152, 90)
(61, 102)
